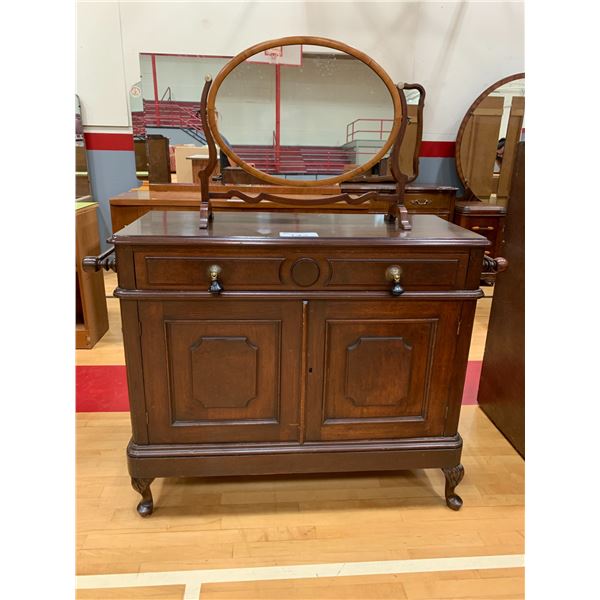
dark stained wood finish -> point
(485, 219)
(245, 389)
(453, 476)
(502, 385)
(159, 163)
(381, 369)
(305, 362)
(129, 206)
(146, 505)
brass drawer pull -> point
(393, 274)
(419, 202)
(215, 286)
(478, 228)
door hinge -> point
(458, 327)
(147, 419)
(445, 413)
(140, 328)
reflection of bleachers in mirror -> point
(297, 160)
(311, 105)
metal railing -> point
(380, 128)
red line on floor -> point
(104, 388)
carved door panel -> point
(379, 369)
(221, 370)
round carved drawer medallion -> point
(305, 272)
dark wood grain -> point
(159, 164)
(305, 362)
(502, 386)
(129, 206)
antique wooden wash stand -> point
(261, 343)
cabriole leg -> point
(146, 505)
(453, 476)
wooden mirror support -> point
(418, 133)
(302, 192)
(477, 141)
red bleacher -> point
(304, 160)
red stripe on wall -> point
(124, 142)
(104, 388)
(109, 141)
(437, 150)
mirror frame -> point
(303, 40)
(457, 154)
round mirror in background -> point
(487, 140)
(309, 113)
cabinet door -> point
(221, 370)
(379, 369)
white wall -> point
(454, 49)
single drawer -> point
(192, 272)
(429, 202)
(310, 270)
(425, 272)
(491, 227)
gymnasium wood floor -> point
(363, 536)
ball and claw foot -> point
(453, 476)
(146, 505)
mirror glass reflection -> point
(489, 139)
(304, 112)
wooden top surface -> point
(177, 227)
(475, 207)
(81, 206)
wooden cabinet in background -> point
(487, 220)
(295, 343)
(431, 200)
(91, 314)
(129, 206)
(159, 160)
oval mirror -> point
(487, 140)
(308, 110)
